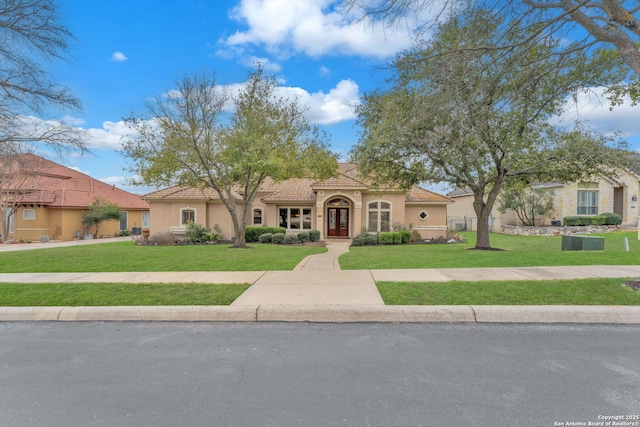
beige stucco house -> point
(338, 207)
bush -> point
(277, 238)
(163, 239)
(265, 238)
(406, 236)
(197, 233)
(371, 240)
(359, 240)
(304, 237)
(385, 238)
(397, 237)
(290, 239)
(415, 236)
(612, 218)
(314, 235)
(586, 220)
(253, 232)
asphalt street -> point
(304, 374)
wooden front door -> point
(338, 222)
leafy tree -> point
(463, 111)
(189, 141)
(31, 35)
(101, 210)
(527, 203)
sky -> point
(125, 53)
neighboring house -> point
(461, 215)
(339, 207)
(589, 197)
(50, 199)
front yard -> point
(519, 251)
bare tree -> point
(30, 33)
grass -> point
(519, 251)
(544, 292)
(114, 294)
(125, 256)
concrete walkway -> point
(327, 261)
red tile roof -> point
(52, 184)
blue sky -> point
(127, 52)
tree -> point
(188, 140)
(613, 23)
(527, 203)
(463, 111)
(19, 174)
(31, 35)
(101, 210)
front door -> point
(338, 222)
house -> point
(338, 207)
(589, 197)
(50, 198)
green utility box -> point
(582, 243)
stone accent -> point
(521, 230)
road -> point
(286, 374)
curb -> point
(330, 314)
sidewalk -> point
(318, 291)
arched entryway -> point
(338, 217)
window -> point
(257, 216)
(145, 219)
(423, 215)
(123, 221)
(587, 202)
(29, 214)
(379, 216)
(295, 218)
(188, 215)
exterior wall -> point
(30, 229)
(461, 213)
(435, 225)
(356, 208)
(566, 200)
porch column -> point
(320, 221)
(357, 218)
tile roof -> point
(421, 195)
(298, 189)
(52, 184)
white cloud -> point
(325, 71)
(109, 136)
(314, 27)
(266, 64)
(592, 108)
(118, 57)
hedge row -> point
(384, 238)
(606, 218)
(289, 239)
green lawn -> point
(544, 292)
(519, 251)
(112, 294)
(125, 256)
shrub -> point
(578, 220)
(371, 240)
(359, 240)
(415, 236)
(304, 237)
(277, 238)
(290, 239)
(599, 220)
(612, 218)
(265, 238)
(197, 233)
(163, 239)
(253, 232)
(397, 237)
(385, 238)
(406, 236)
(314, 235)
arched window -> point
(379, 216)
(28, 214)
